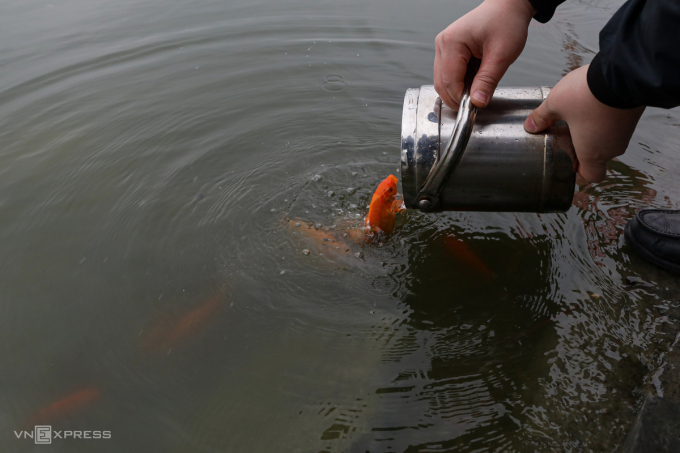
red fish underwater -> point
(467, 256)
(165, 335)
(65, 407)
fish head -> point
(387, 190)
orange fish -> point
(463, 253)
(328, 238)
(380, 218)
(165, 335)
(65, 407)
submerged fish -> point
(461, 251)
(65, 407)
(326, 238)
(165, 335)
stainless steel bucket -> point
(485, 162)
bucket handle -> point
(447, 161)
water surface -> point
(151, 155)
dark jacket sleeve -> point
(545, 9)
(639, 58)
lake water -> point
(151, 155)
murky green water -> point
(150, 154)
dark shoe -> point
(655, 235)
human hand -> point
(599, 132)
(495, 32)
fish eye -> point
(390, 189)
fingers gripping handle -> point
(448, 159)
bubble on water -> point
(273, 210)
(384, 152)
(331, 193)
(334, 83)
(359, 255)
(286, 200)
(317, 178)
(351, 190)
(306, 252)
(297, 224)
(371, 312)
(353, 206)
(354, 173)
(283, 272)
(317, 226)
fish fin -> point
(398, 206)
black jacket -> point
(639, 58)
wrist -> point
(530, 10)
(524, 7)
(601, 90)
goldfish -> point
(380, 218)
(328, 238)
(165, 335)
(464, 254)
(338, 238)
(65, 407)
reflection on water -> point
(155, 160)
(605, 216)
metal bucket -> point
(485, 161)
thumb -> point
(489, 74)
(541, 118)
